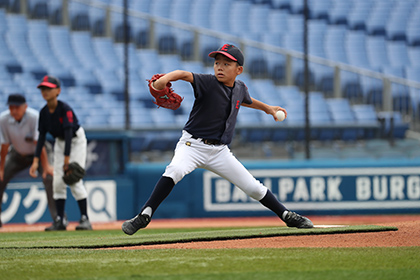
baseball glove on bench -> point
(166, 97)
(73, 173)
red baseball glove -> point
(166, 97)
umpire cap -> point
(16, 99)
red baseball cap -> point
(231, 52)
(50, 82)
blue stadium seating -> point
(79, 16)
(377, 35)
(200, 13)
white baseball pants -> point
(191, 153)
(77, 154)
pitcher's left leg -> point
(229, 167)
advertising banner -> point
(322, 189)
(26, 202)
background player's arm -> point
(46, 167)
(172, 77)
(39, 146)
(34, 167)
(3, 154)
(68, 132)
(268, 109)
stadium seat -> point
(397, 126)
(339, 12)
(319, 9)
(220, 12)
(359, 14)
(378, 17)
(414, 55)
(106, 53)
(277, 21)
(79, 16)
(413, 28)
(397, 53)
(355, 46)
(413, 73)
(38, 9)
(200, 13)
(39, 43)
(97, 21)
(18, 45)
(376, 51)
(400, 93)
(82, 45)
(334, 43)
(365, 115)
(258, 19)
(281, 4)
(343, 118)
(240, 18)
(396, 25)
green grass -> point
(19, 260)
(116, 238)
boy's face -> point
(49, 93)
(226, 70)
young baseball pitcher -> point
(70, 146)
(207, 133)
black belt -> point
(208, 141)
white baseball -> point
(280, 116)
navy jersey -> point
(215, 108)
(62, 123)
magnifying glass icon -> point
(98, 201)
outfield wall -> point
(309, 187)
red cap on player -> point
(50, 82)
(231, 52)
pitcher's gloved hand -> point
(166, 97)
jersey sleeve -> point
(4, 138)
(68, 118)
(247, 97)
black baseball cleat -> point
(84, 224)
(57, 225)
(130, 227)
(293, 219)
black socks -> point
(60, 204)
(162, 189)
(83, 207)
(271, 202)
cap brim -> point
(47, 84)
(213, 54)
(16, 103)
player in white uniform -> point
(19, 132)
(207, 133)
(59, 120)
